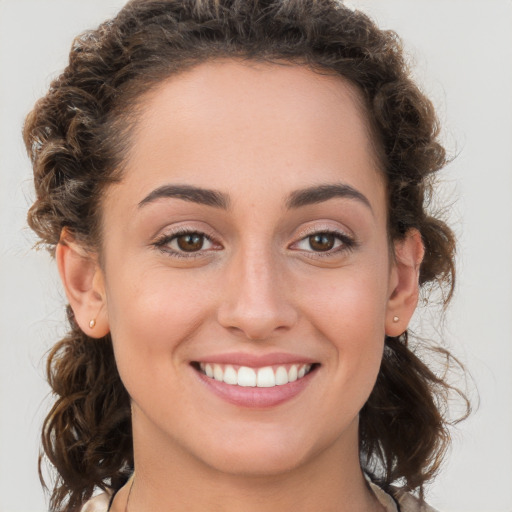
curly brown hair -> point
(77, 137)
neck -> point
(171, 479)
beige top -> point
(404, 502)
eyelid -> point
(323, 227)
(348, 241)
(163, 240)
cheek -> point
(349, 312)
(159, 301)
(150, 318)
(349, 301)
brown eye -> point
(322, 241)
(187, 244)
(190, 242)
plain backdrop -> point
(462, 55)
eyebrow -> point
(303, 197)
(189, 193)
(321, 193)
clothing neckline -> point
(384, 498)
(387, 500)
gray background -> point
(462, 51)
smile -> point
(264, 377)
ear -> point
(404, 285)
(83, 282)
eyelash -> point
(163, 242)
(347, 242)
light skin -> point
(289, 254)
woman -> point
(234, 193)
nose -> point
(254, 300)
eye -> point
(179, 244)
(324, 242)
(190, 242)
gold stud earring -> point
(395, 319)
(92, 323)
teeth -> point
(218, 374)
(230, 375)
(281, 376)
(246, 377)
(266, 377)
(292, 373)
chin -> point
(258, 453)
(258, 463)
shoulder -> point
(399, 500)
(99, 503)
(409, 503)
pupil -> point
(322, 242)
(191, 242)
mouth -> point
(251, 377)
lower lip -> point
(255, 397)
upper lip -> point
(256, 361)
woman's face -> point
(248, 239)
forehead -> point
(242, 91)
(252, 121)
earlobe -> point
(404, 282)
(83, 282)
